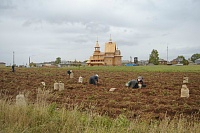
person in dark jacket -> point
(13, 68)
(69, 72)
(136, 83)
(94, 79)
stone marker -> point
(56, 86)
(43, 84)
(20, 100)
(59, 86)
(80, 79)
(112, 89)
(42, 95)
(184, 91)
(71, 75)
(185, 80)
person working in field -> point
(69, 72)
(136, 83)
(94, 79)
(13, 68)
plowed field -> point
(160, 98)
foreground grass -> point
(49, 119)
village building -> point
(175, 61)
(190, 62)
(162, 62)
(110, 57)
(2, 64)
(197, 61)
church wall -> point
(118, 61)
(108, 61)
(110, 47)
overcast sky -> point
(46, 29)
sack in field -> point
(184, 91)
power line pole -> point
(29, 61)
(13, 57)
(167, 53)
(130, 59)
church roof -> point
(97, 45)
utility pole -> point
(167, 53)
(29, 60)
(130, 59)
(13, 57)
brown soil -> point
(160, 98)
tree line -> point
(154, 58)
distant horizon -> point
(10, 64)
(91, 54)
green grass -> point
(49, 119)
(156, 68)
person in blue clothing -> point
(138, 83)
(94, 79)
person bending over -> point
(94, 79)
(138, 83)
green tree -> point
(195, 56)
(32, 64)
(58, 60)
(154, 57)
(182, 60)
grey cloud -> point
(6, 4)
(165, 34)
(69, 28)
(180, 11)
(126, 43)
(54, 27)
(76, 39)
(96, 27)
(81, 40)
(187, 52)
(31, 21)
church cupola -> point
(110, 41)
(97, 47)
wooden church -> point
(110, 57)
